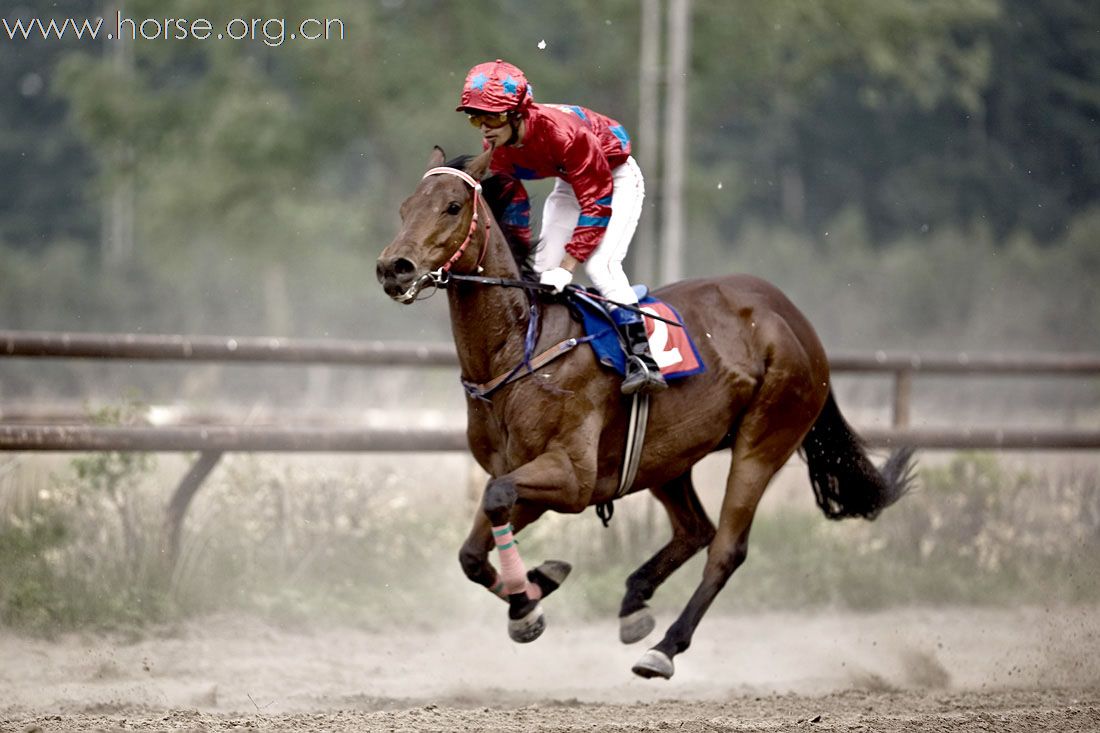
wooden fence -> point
(212, 441)
(903, 367)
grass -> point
(346, 543)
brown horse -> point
(554, 440)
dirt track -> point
(922, 670)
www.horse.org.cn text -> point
(272, 32)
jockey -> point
(593, 210)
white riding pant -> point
(605, 264)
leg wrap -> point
(512, 571)
(497, 589)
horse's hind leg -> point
(692, 530)
(757, 455)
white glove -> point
(557, 277)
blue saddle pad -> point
(672, 346)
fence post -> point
(181, 499)
(903, 387)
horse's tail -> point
(846, 483)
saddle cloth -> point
(672, 346)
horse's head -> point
(437, 231)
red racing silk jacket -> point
(508, 201)
(579, 146)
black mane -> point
(499, 189)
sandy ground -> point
(924, 670)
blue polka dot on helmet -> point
(495, 86)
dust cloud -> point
(240, 665)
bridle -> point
(442, 275)
(476, 186)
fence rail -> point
(902, 366)
(149, 347)
(229, 439)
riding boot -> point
(642, 373)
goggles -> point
(492, 120)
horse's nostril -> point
(379, 271)
(401, 266)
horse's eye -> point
(454, 208)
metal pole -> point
(82, 438)
(903, 388)
(167, 347)
(644, 252)
(120, 208)
(70, 438)
(672, 214)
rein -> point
(505, 282)
(441, 277)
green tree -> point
(807, 108)
(1040, 158)
(46, 169)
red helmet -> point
(495, 86)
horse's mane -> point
(499, 189)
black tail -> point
(845, 481)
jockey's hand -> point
(557, 278)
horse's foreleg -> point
(550, 480)
(474, 556)
(692, 530)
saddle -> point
(672, 346)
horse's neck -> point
(489, 322)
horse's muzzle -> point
(399, 278)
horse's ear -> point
(479, 165)
(437, 158)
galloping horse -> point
(554, 440)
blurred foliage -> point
(74, 547)
(46, 190)
(304, 545)
(111, 478)
(927, 291)
(28, 594)
(266, 177)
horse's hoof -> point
(527, 629)
(654, 664)
(636, 626)
(550, 575)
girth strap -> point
(632, 454)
